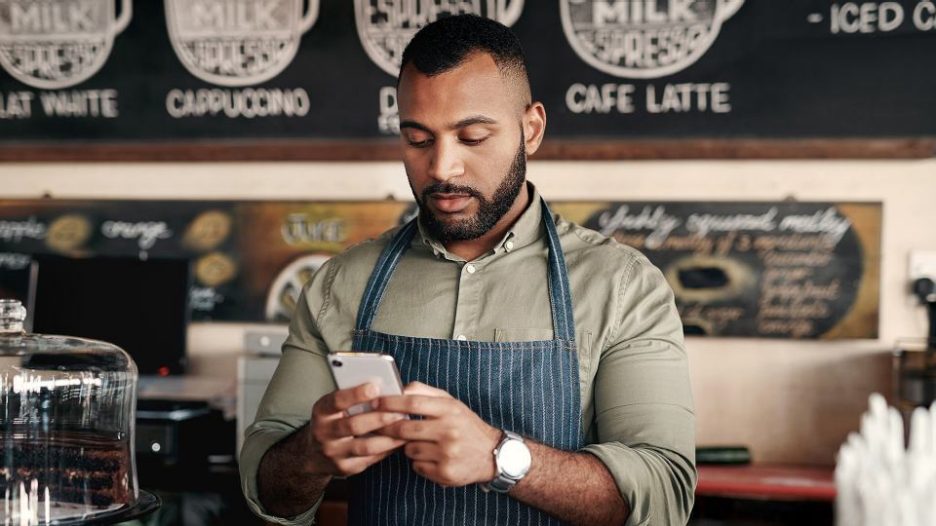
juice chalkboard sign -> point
(317, 74)
(766, 269)
(777, 270)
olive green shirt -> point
(637, 413)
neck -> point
(472, 249)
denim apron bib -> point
(530, 388)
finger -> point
(342, 399)
(418, 405)
(354, 465)
(426, 430)
(361, 424)
(426, 469)
(419, 388)
(345, 398)
(423, 451)
(373, 446)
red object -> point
(767, 481)
(163, 371)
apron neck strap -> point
(560, 293)
(560, 296)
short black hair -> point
(445, 44)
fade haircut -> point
(446, 43)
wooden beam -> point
(557, 149)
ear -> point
(534, 127)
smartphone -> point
(351, 369)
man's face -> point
(463, 147)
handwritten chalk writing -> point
(45, 18)
(725, 243)
(204, 299)
(402, 14)
(793, 259)
(14, 261)
(789, 274)
(55, 61)
(797, 328)
(592, 98)
(807, 289)
(924, 16)
(389, 120)
(718, 315)
(220, 16)
(686, 97)
(299, 229)
(691, 243)
(16, 231)
(795, 310)
(655, 219)
(80, 103)
(146, 233)
(702, 224)
(868, 17)
(825, 221)
(641, 12)
(247, 103)
(16, 105)
(793, 242)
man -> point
(545, 361)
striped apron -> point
(530, 388)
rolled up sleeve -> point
(645, 423)
(300, 379)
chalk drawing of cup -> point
(55, 44)
(643, 39)
(238, 42)
(385, 27)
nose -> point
(446, 162)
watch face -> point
(514, 458)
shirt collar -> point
(525, 230)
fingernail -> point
(370, 390)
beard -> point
(490, 211)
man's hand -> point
(451, 446)
(341, 444)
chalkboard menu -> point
(766, 269)
(124, 72)
(782, 270)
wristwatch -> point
(512, 459)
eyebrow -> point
(464, 123)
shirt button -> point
(461, 337)
(471, 269)
(508, 246)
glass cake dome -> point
(67, 408)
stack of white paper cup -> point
(879, 481)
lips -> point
(450, 203)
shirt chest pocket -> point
(515, 334)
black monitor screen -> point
(140, 306)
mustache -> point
(449, 188)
